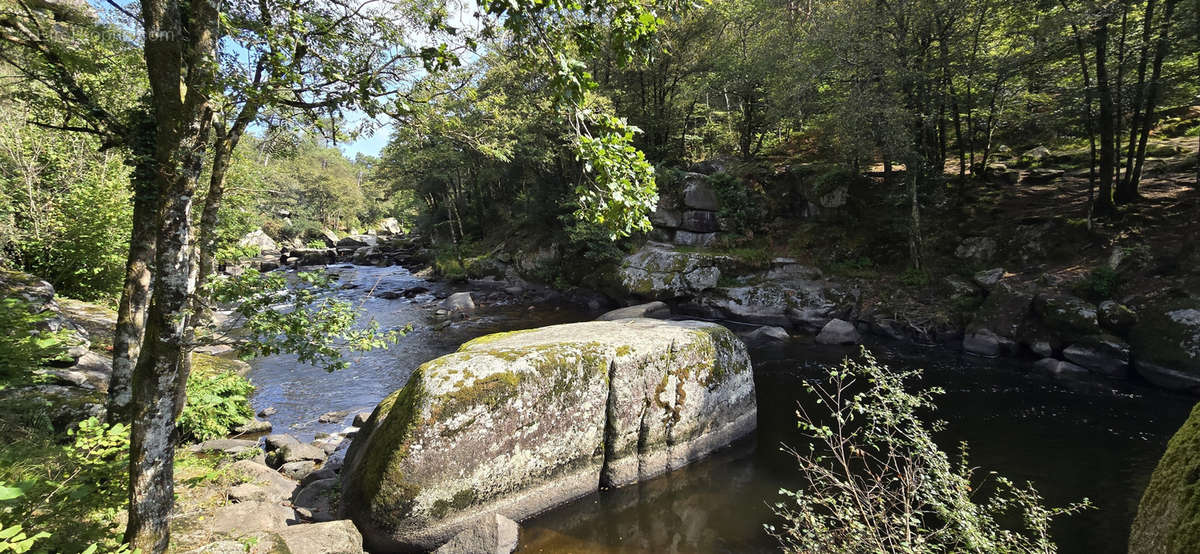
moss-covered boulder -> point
(659, 272)
(1166, 343)
(1168, 517)
(1068, 316)
(519, 422)
(1001, 320)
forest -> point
(486, 225)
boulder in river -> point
(458, 302)
(519, 422)
(838, 331)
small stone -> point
(838, 331)
(361, 418)
(268, 412)
(254, 426)
(1107, 356)
(989, 277)
(1042, 348)
(333, 417)
(298, 470)
(223, 445)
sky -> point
(370, 145)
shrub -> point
(743, 208)
(877, 482)
(23, 346)
(1101, 284)
(914, 277)
(217, 402)
(65, 492)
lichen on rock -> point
(517, 423)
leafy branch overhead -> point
(274, 316)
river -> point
(1099, 440)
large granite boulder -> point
(657, 271)
(516, 423)
(698, 193)
(1067, 316)
(259, 239)
(1166, 521)
(1166, 343)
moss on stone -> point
(380, 477)
(1168, 518)
(490, 391)
(460, 501)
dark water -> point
(1071, 440)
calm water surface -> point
(1070, 439)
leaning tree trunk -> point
(1153, 93)
(135, 296)
(222, 157)
(179, 62)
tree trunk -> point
(1089, 121)
(1152, 96)
(180, 58)
(1126, 190)
(135, 296)
(1104, 201)
(222, 158)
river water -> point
(1070, 439)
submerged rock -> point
(768, 333)
(649, 309)
(516, 423)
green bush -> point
(217, 402)
(872, 445)
(743, 208)
(1101, 284)
(65, 492)
(914, 277)
(23, 346)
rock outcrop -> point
(1167, 516)
(519, 422)
(659, 272)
